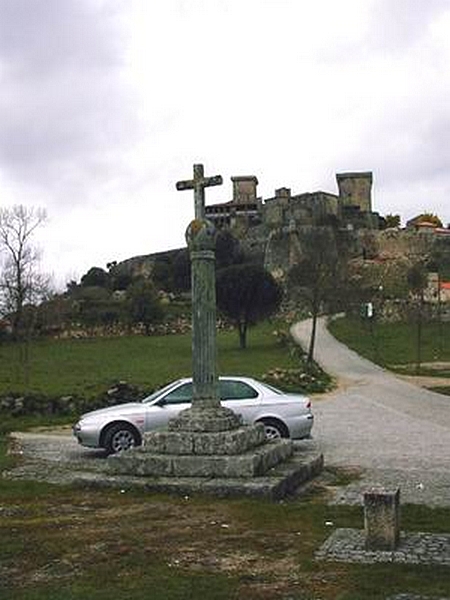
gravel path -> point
(395, 432)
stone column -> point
(382, 519)
(200, 237)
(206, 413)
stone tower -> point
(244, 189)
(355, 189)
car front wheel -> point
(275, 429)
(120, 437)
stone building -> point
(272, 230)
(245, 206)
(351, 208)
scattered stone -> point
(349, 545)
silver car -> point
(121, 427)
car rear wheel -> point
(275, 429)
(120, 437)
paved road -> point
(396, 432)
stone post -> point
(382, 519)
(200, 237)
(206, 413)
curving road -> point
(395, 432)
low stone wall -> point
(19, 405)
(172, 327)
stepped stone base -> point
(251, 463)
(194, 456)
(282, 480)
(206, 419)
(231, 442)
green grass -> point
(87, 366)
(441, 389)
(76, 543)
(391, 344)
(72, 543)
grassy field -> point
(87, 366)
(62, 543)
(73, 543)
(393, 344)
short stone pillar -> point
(382, 519)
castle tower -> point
(355, 189)
(244, 189)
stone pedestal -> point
(208, 419)
(241, 452)
(382, 519)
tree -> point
(418, 281)
(439, 263)
(94, 306)
(182, 271)
(317, 277)
(246, 294)
(228, 250)
(143, 304)
(21, 282)
(392, 221)
(162, 273)
(96, 277)
(428, 218)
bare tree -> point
(21, 282)
(317, 277)
(417, 282)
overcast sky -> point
(105, 104)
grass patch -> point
(393, 343)
(441, 389)
(86, 367)
(67, 542)
(425, 369)
(75, 543)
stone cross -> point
(200, 238)
(206, 413)
(198, 184)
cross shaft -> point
(198, 184)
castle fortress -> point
(272, 229)
(350, 209)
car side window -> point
(181, 394)
(236, 390)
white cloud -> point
(105, 104)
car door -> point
(168, 406)
(241, 397)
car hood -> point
(121, 409)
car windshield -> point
(160, 391)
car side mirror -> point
(162, 402)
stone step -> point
(251, 463)
(230, 442)
(279, 482)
